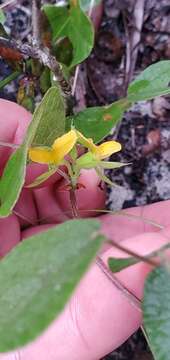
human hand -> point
(98, 317)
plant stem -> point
(6, 144)
(9, 78)
(145, 259)
(73, 202)
(116, 282)
(130, 216)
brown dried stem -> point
(42, 55)
(133, 36)
(7, 4)
(36, 21)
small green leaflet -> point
(156, 308)
(43, 177)
(38, 277)
(112, 164)
(48, 123)
(49, 117)
(118, 264)
(45, 80)
(74, 24)
(97, 122)
(2, 17)
(12, 180)
(152, 82)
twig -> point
(43, 56)
(133, 40)
(75, 80)
(127, 56)
(117, 283)
(36, 7)
(77, 71)
(7, 3)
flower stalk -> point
(63, 152)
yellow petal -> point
(101, 151)
(60, 148)
(42, 155)
(87, 142)
(63, 145)
(106, 149)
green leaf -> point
(2, 17)
(63, 51)
(118, 264)
(28, 103)
(75, 25)
(112, 164)
(49, 118)
(8, 79)
(12, 180)
(45, 80)
(38, 277)
(87, 161)
(58, 16)
(48, 122)
(154, 81)
(104, 178)
(43, 177)
(86, 4)
(156, 307)
(97, 122)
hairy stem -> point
(129, 252)
(73, 202)
(119, 286)
(43, 56)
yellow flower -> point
(54, 155)
(64, 144)
(106, 149)
(99, 151)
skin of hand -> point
(98, 317)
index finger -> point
(13, 126)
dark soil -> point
(145, 129)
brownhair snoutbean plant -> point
(54, 137)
